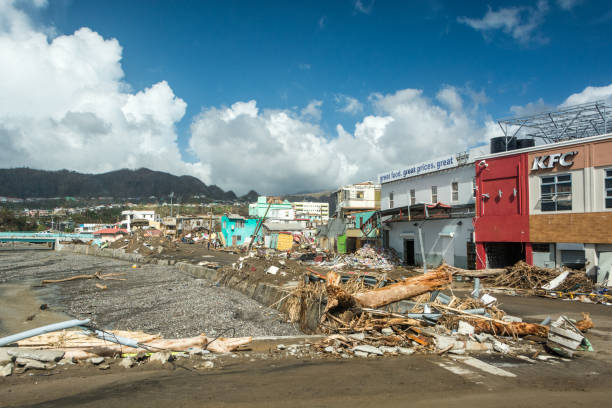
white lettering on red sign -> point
(564, 160)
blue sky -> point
(497, 57)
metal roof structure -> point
(571, 122)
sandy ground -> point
(416, 381)
(152, 298)
(274, 380)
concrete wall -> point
(437, 242)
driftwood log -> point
(519, 329)
(97, 275)
(436, 279)
(469, 273)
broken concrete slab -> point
(46, 356)
(357, 336)
(162, 357)
(29, 364)
(5, 357)
(405, 351)
(388, 349)
(484, 337)
(501, 347)
(366, 348)
(465, 328)
(126, 362)
(6, 370)
(96, 360)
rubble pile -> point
(147, 245)
(366, 257)
(414, 316)
(525, 276)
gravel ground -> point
(153, 298)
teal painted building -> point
(236, 229)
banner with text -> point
(430, 166)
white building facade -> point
(312, 210)
(358, 197)
(428, 208)
(129, 216)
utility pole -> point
(171, 195)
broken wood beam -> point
(410, 287)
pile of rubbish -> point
(563, 283)
(525, 276)
(366, 257)
(412, 315)
(45, 347)
(144, 244)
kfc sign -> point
(548, 162)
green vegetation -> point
(101, 216)
(10, 222)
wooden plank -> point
(570, 334)
(571, 344)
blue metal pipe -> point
(112, 338)
(42, 330)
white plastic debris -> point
(488, 299)
(273, 270)
(556, 282)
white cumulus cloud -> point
(64, 104)
(590, 94)
(276, 151)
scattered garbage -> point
(362, 321)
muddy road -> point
(272, 379)
(416, 381)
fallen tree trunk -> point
(80, 345)
(470, 273)
(482, 273)
(519, 329)
(436, 279)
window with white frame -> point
(434, 194)
(391, 199)
(474, 187)
(608, 188)
(455, 191)
(556, 192)
(412, 197)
